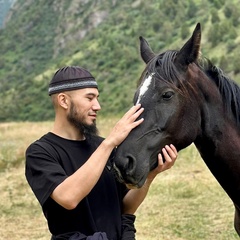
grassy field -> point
(184, 203)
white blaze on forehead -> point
(144, 87)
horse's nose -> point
(130, 165)
(125, 169)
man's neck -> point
(67, 131)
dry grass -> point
(187, 203)
(183, 203)
(20, 217)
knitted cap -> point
(71, 78)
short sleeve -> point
(43, 170)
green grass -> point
(184, 203)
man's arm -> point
(75, 187)
(135, 197)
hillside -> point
(102, 35)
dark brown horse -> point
(186, 100)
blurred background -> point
(39, 36)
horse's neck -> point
(221, 152)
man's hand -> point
(170, 155)
(124, 126)
(135, 197)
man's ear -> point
(63, 100)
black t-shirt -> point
(52, 159)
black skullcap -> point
(71, 78)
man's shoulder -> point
(42, 142)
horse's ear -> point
(146, 52)
(190, 51)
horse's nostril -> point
(130, 165)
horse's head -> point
(163, 93)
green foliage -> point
(192, 9)
(214, 18)
(45, 35)
(185, 31)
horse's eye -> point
(167, 95)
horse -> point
(187, 99)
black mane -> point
(229, 90)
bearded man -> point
(69, 168)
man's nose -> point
(96, 106)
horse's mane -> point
(228, 89)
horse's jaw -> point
(128, 181)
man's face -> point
(83, 110)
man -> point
(69, 168)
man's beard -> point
(87, 130)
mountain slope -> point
(102, 35)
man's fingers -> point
(170, 153)
(166, 155)
(134, 112)
(131, 115)
(138, 122)
(160, 159)
(174, 149)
